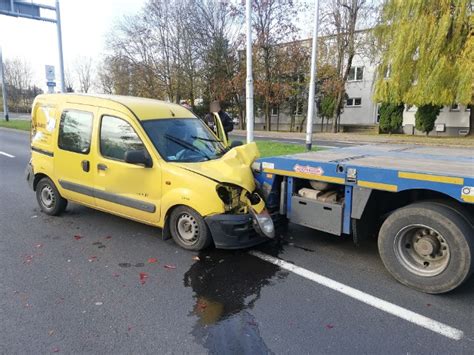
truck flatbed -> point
(385, 167)
(417, 200)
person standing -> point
(227, 123)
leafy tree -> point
(427, 51)
(425, 117)
(391, 117)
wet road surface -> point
(89, 282)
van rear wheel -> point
(188, 229)
(49, 199)
(427, 246)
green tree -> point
(425, 117)
(391, 117)
(427, 53)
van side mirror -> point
(138, 157)
(235, 144)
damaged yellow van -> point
(146, 160)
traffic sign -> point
(50, 72)
(51, 84)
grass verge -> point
(23, 125)
(269, 149)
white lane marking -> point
(373, 301)
(7, 155)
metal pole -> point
(312, 83)
(4, 88)
(249, 81)
(60, 45)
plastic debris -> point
(152, 260)
(92, 258)
(55, 350)
(38, 245)
(99, 303)
(170, 266)
(197, 258)
(329, 326)
(78, 237)
(108, 237)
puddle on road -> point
(226, 285)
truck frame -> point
(418, 201)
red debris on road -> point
(143, 277)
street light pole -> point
(60, 47)
(4, 88)
(312, 83)
(249, 81)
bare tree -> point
(18, 75)
(345, 23)
(83, 68)
(273, 25)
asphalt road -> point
(318, 142)
(87, 282)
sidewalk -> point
(368, 138)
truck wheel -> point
(188, 229)
(49, 199)
(427, 246)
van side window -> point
(75, 131)
(116, 137)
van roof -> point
(142, 108)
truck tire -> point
(49, 199)
(428, 247)
(188, 229)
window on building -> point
(75, 131)
(274, 110)
(356, 74)
(468, 108)
(454, 107)
(117, 137)
(353, 102)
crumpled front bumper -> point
(232, 231)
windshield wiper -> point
(207, 139)
(186, 145)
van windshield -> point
(184, 139)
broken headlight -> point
(230, 195)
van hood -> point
(234, 167)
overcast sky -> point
(84, 22)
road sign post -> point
(32, 11)
(4, 88)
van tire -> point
(188, 229)
(49, 199)
(407, 235)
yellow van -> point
(146, 160)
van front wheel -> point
(49, 199)
(188, 229)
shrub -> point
(425, 117)
(391, 117)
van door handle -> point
(101, 167)
(85, 165)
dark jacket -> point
(225, 119)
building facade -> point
(360, 111)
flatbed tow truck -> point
(418, 201)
